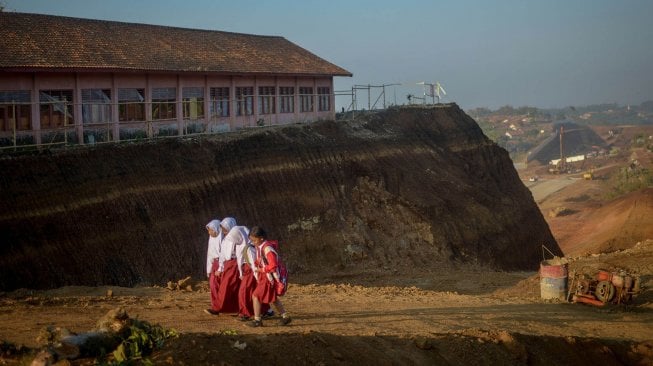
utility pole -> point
(562, 155)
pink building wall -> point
(77, 81)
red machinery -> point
(618, 287)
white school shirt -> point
(248, 255)
(213, 252)
(232, 246)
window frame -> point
(129, 109)
(306, 100)
(15, 105)
(286, 99)
(164, 104)
(244, 101)
(49, 109)
(220, 102)
(187, 95)
(323, 99)
(95, 106)
(267, 100)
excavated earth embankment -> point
(402, 188)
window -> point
(56, 108)
(163, 103)
(15, 110)
(323, 99)
(131, 105)
(193, 102)
(266, 100)
(244, 101)
(286, 99)
(305, 99)
(96, 106)
(219, 102)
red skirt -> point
(228, 290)
(265, 291)
(214, 284)
(247, 286)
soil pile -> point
(406, 187)
(577, 140)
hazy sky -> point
(543, 53)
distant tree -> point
(647, 106)
(506, 109)
(531, 111)
(480, 112)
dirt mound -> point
(577, 140)
(596, 225)
(406, 187)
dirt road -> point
(543, 188)
(456, 314)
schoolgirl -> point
(212, 264)
(228, 271)
(265, 270)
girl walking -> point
(267, 275)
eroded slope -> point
(406, 187)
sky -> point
(541, 53)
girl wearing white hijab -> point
(212, 264)
(227, 299)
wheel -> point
(583, 287)
(604, 291)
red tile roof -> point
(35, 41)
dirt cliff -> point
(407, 187)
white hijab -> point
(213, 250)
(214, 225)
(228, 223)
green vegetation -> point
(143, 339)
(629, 179)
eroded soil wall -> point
(404, 187)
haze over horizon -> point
(549, 54)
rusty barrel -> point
(553, 280)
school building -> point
(71, 80)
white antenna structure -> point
(436, 90)
(439, 89)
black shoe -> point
(211, 312)
(285, 321)
(255, 324)
(243, 318)
(269, 314)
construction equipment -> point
(618, 287)
(589, 175)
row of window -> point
(56, 106)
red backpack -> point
(281, 285)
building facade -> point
(70, 80)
